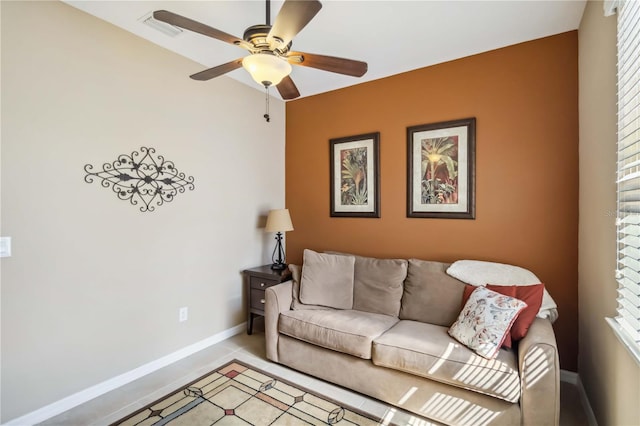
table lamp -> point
(278, 221)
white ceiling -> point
(391, 36)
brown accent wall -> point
(525, 100)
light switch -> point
(5, 246)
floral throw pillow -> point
(485, 321)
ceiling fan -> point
(270, 59)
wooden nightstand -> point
(257, 280)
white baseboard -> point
(569, 377)
(574, 379)
(591, 417)
(85, 395)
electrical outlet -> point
(183, 314)
(5, 246)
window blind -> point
(628, 173)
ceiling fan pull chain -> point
(266, 100)
(268, 12)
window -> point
(627, 322)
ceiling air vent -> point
(163, 27)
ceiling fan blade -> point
(210, 73)
(197, 27)
(328, 63)
(292, 18)
(288, 89)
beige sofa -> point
(393, 345)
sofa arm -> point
(277, 299)
(539, 375)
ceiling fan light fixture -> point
(266, 68)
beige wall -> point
(94, 286)
(610, 377)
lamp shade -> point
(266, 69)
(279, 221)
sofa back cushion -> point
(378, 285)
(327, 280)
(296, 304)
(430, 295)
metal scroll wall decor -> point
(142, 178)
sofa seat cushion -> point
(427, 350)
(347, 331)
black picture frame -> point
(441, 170)
(354, 164)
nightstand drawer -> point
(256, 281)
(257, 299)
(262, 283)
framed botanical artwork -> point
(441, 170)
(355, 175)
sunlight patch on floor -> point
(412, 421)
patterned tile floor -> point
(120, 402)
